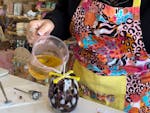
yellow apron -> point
(104, 85)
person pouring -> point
(112, 48)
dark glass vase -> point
(63, 95)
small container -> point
(18, 9)
(49, 53)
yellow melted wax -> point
(49, 60)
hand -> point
(38, 28)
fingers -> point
(46, 27)
(32, 31)
(38, 28)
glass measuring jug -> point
(49, 53)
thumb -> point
(46, 27)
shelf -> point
(20, 17)
(45, 9)
(15, 33)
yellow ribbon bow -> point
(62, 76)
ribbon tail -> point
(75, 78)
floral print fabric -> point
(110, 44)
